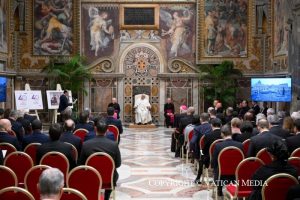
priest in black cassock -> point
(116, 106)
(169, 111)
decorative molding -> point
(104, 66)
(181, 66)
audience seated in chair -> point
(279, 153)
(16, 126)
(55, 132)
(51, 184)
(227, 136)
(246, 132)
(110, 120)
(203, 129)
(5, 127)
(84, 123)
(68, 135)
(275, 128)
(294, 141)
(262, 140)
(37, 136)
(101, 144)
(177, 117)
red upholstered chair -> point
(9, 147)
(81, 133)
(90, 182)
(243, 174)
(277, 186)
(228, 160)
(105, 165)
(72, 194)
(74, 151)
(246, 144)
(15, 193)
(7, 177)
(56, 160)
(31, 151)
(115, 131)
(296, 153)
(20, 163)
(264, 155)
(205, 170)
(212, 148)
(190, 136)
(32, 178)
(295, 161)
(12, 133)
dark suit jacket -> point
(256, 109)
(177, 118)
(184, 122)
(18, 129)
(260, 141)
(116, 122)
(199, 131)
(56, 146)
(278, 131)
(265, 172)
(72, 139)
(218, 148)
(5, 137)
(101, 144)
(208, 140)
(242, 137)
(29, 117)
(293, 143)
(87, 126)
(36, 136)
(63, 103)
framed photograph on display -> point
(53, 97)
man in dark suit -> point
(5, 127)
(177, 118)
(63, 107)
(188, 119)
(110, 120)
(102, 144)
(255, 107)
(294, 141)
(68, 135)
(36, 136)
(55, 132)
(16, 126)
(262, 140)
(116, 107)
(246, 132)
(84, 123)
(226, 135)
(209, 138)
(203, 129)
(275, 129)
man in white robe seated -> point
(142, 110)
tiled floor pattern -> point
(149, 170)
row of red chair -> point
(19, 167)
(81, 133)
(17, 193)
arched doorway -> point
(141, 64)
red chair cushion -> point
(56, 161)
(7, 179)
(31, 151)
(265, 157)
(278, 188)
(32, 180)
(296, 163)
(11, 195)
(228, 168)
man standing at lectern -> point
(142, 109)
(63, 107)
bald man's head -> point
(5, 125)
(69, 125)
(114, 100)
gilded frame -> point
(202, 58)
(7, 17)
(140, 27)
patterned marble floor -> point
(150, 171)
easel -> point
(27, 88)
(55, 113)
